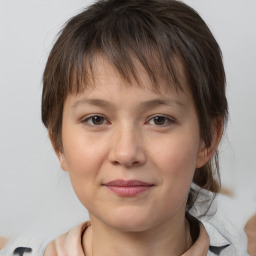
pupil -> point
(97, 120)
(159, 120)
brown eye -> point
(96, 120)
(160, 121)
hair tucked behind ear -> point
(208, 178)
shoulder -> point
(67, 244)
(225, 237)
(26, 245)
(18, 251)
(58, 247)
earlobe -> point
(60, 155)
(62, 160)
(203, 156)
(205, 153)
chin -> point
(131, 221)
(131, 226)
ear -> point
(59, 153)
(206, 153)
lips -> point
(128, 188)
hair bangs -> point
(132, 50)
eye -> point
(95, 120)
(160, 120)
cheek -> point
(175, 162)
(176, 153)
(176, 159)
(84, 156)
(83, 153)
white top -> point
(225, 238)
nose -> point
(127, 148)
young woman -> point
(134, 102)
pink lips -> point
(128, 188)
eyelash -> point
(167, 120)
(86, 120)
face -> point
(130, 152)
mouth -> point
(128, 188)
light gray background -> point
(34, 191)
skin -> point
(3, 242)
(129, 142)
(250, 230)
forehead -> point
(135, 74)
(105, 83)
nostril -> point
(127, 164)
(127, 154)
(116, 163)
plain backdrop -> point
(34, 191)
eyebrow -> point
(144, 104)
(157, 102)
(95, 102)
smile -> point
(128, 188)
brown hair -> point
(157, 34)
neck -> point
(167, 238)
